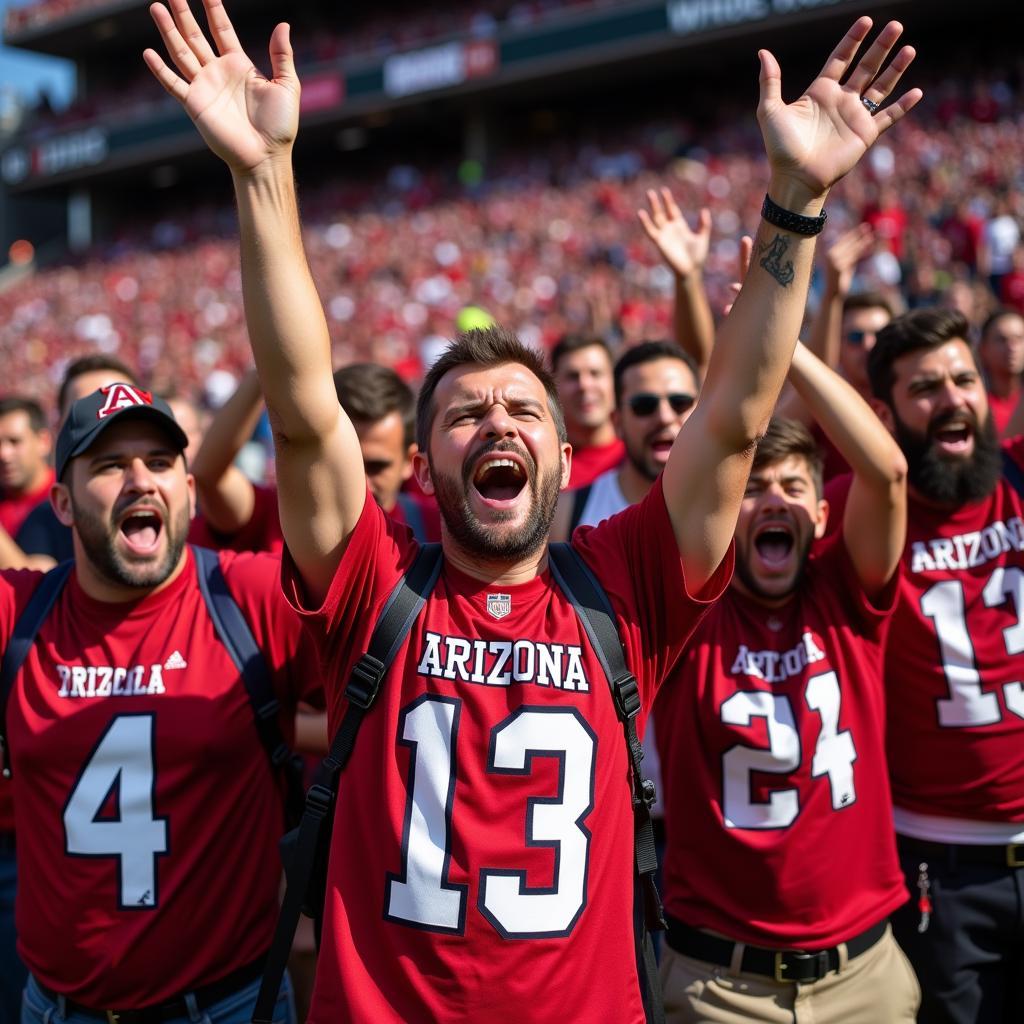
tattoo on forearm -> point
(770, 257)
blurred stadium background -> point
(480, 152)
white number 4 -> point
(120, 770)
(834, 754)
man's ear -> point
(421, 470)
(191, 483)
(60, 500)
(884, 413)
(822, 523)
(566, 465)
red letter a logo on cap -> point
(122, 396)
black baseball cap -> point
(90, 416)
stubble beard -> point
(485, 542)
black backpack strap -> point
(237, 638)
(579, 502)
(314, 831)
(23, 636)
(587, 595)
(413, 516)
(1012, 473)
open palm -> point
(821, 136)
(245, 118)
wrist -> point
(794, 195)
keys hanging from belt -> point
(924, 902)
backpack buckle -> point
(627, 696)
(364, 683)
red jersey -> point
(481, 860)
(261, 533)
(147, 812)
(771, 736)
(589, 463)
(956, 700)
(1002, 410)
(14, 508)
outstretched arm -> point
(12, 557)
(810, 145)
(878, 493)
(250, 122)
(685, 252)
(226, 495)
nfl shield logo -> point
(499, 605)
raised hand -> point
(813, 142)
(742, 266)
(245, 118)
(682, 249)
(842, 258)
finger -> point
(671, 207)
(884, 84)
(191, 32)
(164, 75)
(841, 57)
(885, 119)
(221, 29)
(282, 61)
(648, 226)
(657, 213)
(177, 49)
(704, 222)
(770, 80)
(864, 73)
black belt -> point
(1006, 855)
(205, 997)
(780, 964)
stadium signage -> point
(55, 156)
(438, 67)
(686, 16)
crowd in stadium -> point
(548, 243)
(782, 579)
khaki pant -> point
(877, 987)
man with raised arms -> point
(495, 803)
(781, 868)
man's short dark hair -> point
(569, 343)
(88, 364)
(29, 406)
(868, 300)
(648, 352)
(925, 328)
(786, 439)
(368, 392)
(489, 346)
(994, 317)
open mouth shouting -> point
(141, 528)
(953, 437)
(774, 544)
(499, 479)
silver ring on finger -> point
(871, 105)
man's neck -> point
(500, 572)
(592, 437)
(1004, 385)
(37, 482)
(633, 483)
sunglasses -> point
(646, 403)
(857, 337)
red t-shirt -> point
(147, 814)
(430, 514)
(261, 533)
(15, 507)
(589, 463)
(771, 736)
(1002, 410)
(481, 861)
(953, 670)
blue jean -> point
(12, 972)
(237, 1008)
